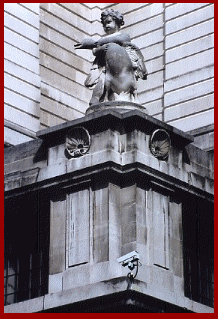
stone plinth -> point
(110, 197)
(118, 106)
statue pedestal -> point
(110, 193)
(119, 106)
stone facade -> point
(115, 199)
(139, 179)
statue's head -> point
(111, 15)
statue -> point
(118, 63)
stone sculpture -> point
(118, 63)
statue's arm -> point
(118, 38)
(88, 43)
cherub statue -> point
(118, 63)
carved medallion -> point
(77, 142)
(160, 144)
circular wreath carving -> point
(160, 144)
(77, 142)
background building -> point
(44, 88)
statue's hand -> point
(100, 48)
(85, 44)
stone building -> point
(68, 218)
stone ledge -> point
(96, 121)
(28, 306)
(110, 161)
(106, 290)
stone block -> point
(101, 196)
(101, 215)
(63, 97)
(141, 234)
(114, 243)
(22, 103)
(101, 231)
(63, 14)
(175, 156)
(22, 119)
(105, 271)
(56, 154)
(12, 180)
(76, 276)
(125, 8)
(144, 256)
(182, 8)
(30, 32)
(128, 213)
(175, 215)
(21, 73)
(150, 96)
(114, 194)
(177, 266)
(142, 13)
(28, 306)
(178, 286)
(190, 48)
(14, 138)
(128, 232)
(190, 19)
(55, 283)
(154, 107)
(128, 247)
(29, 176)
(168, 281)
(51, 171)
(141, 215)
(144, 275)
(176, 248)
(23, 59)
(101, 248)
(158, 275)
(57, 236)
(184, 94)
(21, 43)
(190, 107)
(149, 25)
(79, 227)
(209, 185)
(79, 9)
(22, 14)
(114, 215)
(64, 84)
(197, 180)
(153, 51)
(155, 80)
(140, 196)
(134, 140)
(189, 79)
(189, 64)
(164, 167)
(32, 6)
(151, 38)
(205, 142)
(61, 110)
(190, 34)
(128, 195)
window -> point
(26, 238)
(198, 250)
